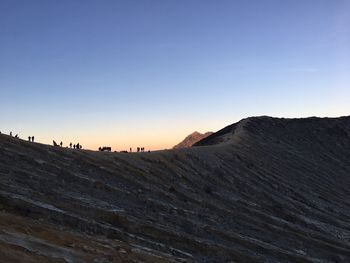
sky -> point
(147, 73)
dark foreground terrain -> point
(260, 190)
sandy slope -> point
(261, 190)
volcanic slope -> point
(261, 190)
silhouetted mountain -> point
(192, 139)
(261, 190)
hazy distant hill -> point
(192, 139)
(260, 190)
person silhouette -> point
(70, 145)
(32, 138)
(130, 149)
(74, 146)
(78, 146)
(11, 133)
(16, 136)
(61, 144)
(29, 138)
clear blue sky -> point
(148, 72)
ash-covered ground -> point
(261, 190)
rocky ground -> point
(260, 190)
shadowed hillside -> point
(260, 190)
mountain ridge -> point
(249, 125)
(260, 190)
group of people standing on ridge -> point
(77, 146)
(71, 145)
(140, 149)
(30, 138)
(16, 136)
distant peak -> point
(192, 139)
